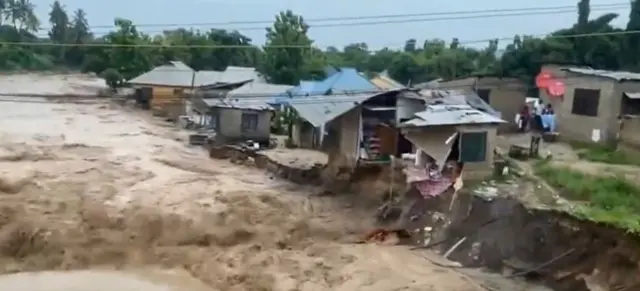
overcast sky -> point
(102, 13)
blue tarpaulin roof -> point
(343, 80)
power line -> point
(478, 15)
(365, 17)
(402, 21)
(213, 46)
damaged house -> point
(450, 139)
(340, 82)
(361, 127)
(505, 95)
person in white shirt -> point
(539, 108)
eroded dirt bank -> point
(95, 186)
(505, 236)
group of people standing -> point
(539, 117)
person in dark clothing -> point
(525, 117)
(547, 109)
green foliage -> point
(113, 78)
(608, 154)
(132, 52)
(608, 199)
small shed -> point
(237, 120)
(455, 132)
(340, 83)
(242, 114)
(166, 88)
(356, 126)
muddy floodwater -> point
(94, 196)
(101, 188)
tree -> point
(410, 45)
(59, 32)
(113, 78)
(288, 65)
(22, 16)
(356, 55)
(631, 42)
(289, 56)
(125, 56)
(78, 33)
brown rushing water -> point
(87, 187)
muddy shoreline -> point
(541, 245)
(94, 186)
(502, 235)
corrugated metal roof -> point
(249, 103)
(457, 97)
(204, 78)
(433, 84)
(259, 90)
(319, 110)
(305, 88)
(345, 80)
(615, 75)
(386, 83)
(169, 75)
(165, 76)
(239, 74)
(181, 66)
(436, 115)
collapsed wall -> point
(497, 233)
(503, 235)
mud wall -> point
(502, 235)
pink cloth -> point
(433, 188)
(430, 183)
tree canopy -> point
(288, 56)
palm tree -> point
(28, 19)
(3, 8)
(21, 14)
(10, 12)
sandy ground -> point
(98, 187)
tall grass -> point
(608, 199)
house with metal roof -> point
(338, 80)
(460, 134)
(241, 114)
(354, 126)
(505, 95)
(165, 87)
(597, 105)
(338, 83)
(384, 82)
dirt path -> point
(99, 187)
